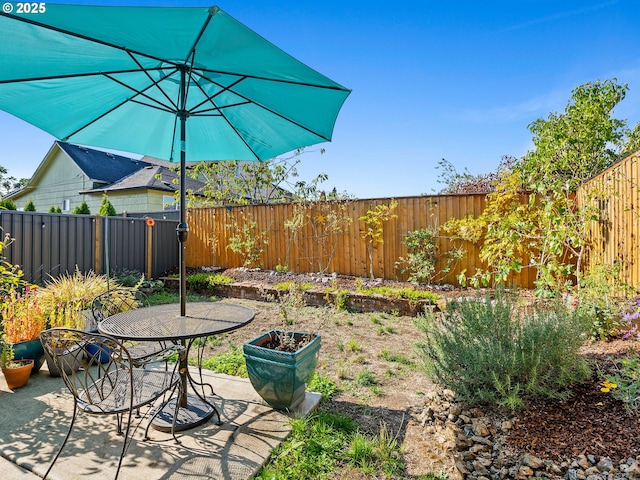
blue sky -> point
(459, 80)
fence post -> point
(97, 258)
(150, 223)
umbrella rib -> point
(70, 75)
(154, 81)
(141, 93)
(209, 98)
(207, 111)
(279, 80)
(221, 114)
(188, 64)
(247, 101)
(273, 112)
(159, 106)
(66, 138)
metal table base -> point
(197, 412)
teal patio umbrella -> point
(175, 83)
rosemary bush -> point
(489, 350)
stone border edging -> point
(318, 298)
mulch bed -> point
(588, 422)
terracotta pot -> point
(17, 377)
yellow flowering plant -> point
(607, 386)
(22, 316)
(624, 382)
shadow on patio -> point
(36, 418)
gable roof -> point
(101, 166)
(147, 178)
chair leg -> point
(125, 444)
(73, 420)
(119, 423)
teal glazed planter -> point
(30, 349)
(280, 377)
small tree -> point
(106, 208)
(420, 262)
(82, 209)
(325, 220)
(373, 230)
(30, 207)
(7, 205)
(550, 231)
(246, 240)
(9, 183)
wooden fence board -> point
(614, 236)
(304, 253)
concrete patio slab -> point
(36, 418)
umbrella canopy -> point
(173, 83)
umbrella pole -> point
(182, 229)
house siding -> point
(61, 179)
(141, 201)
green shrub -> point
(601, 299)
(7, 205)
(420, 262)
(82, 209)
(286, 286)
(126, 277)
(106, 208)
(231, 363)
(323, 385)
(64, 299)
(30, 206)
(408, 293)
(205, 281)
(486, 350)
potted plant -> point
(22, 322)
(16, 372)
(281, 361)
(69, 314)
(65, 301)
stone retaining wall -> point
(319, 298)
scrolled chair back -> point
(96, 368)
(99, 372)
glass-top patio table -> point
(164, 323)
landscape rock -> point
(476, 444)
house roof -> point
(154, 177)
(101, 166)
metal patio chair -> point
(121, 300)
(111, 387)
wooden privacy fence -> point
(327, 236)
(49, 244)
(614, 235)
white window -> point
(66, 205)
(169, 203)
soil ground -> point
(371, 356)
